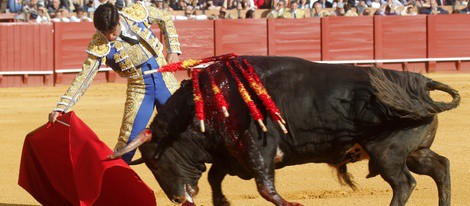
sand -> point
(24, 109)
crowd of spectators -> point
(82, 10)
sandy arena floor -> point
(24, 109)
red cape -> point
(68, 165)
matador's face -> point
(114, 33)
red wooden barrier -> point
(242, 36)
(447, 38)
(295, 37)
(25, 54)
(196, 38)
(401, 37)
(347, 38)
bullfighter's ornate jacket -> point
(123, 57)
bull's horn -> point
(224, 109)
(261, 124)
(144, 136)
(282, 127)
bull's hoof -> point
(221, 201)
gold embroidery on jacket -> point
(137, 12)
(99, 45)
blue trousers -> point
(143, 96)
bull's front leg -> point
(263, 168)
(216, 176)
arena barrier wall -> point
(31, 53)
(295, 37)
(26, 54)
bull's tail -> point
(344, 177)
(443, 106)
(406, 95)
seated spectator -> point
(247, 4)
(459, 5)
(376, 4)
(409, 10)
(350, 11)
(466, 10)
(88, 6)
(188, 14)
(318, 11)
(179, 5)
(339, 11)
(256, 4)
(158, 4)
(434, 9)
(303, 4)
(445, 2)
(61, 16)
(409, 2)
(361, 6)
(250, 14)
(218, 3)
(210, 5)
(424, 4)
(15, 6)
(325, 4)
(80, 16)
(222, 13)
(386, 10)
(294, 11)
(54, 6)
(366, 12)
(76, 4)
(390, 10)
(278, 10)
(20, 18)
(338, 3)
(43, 15)
(31, 6)
(32, 16)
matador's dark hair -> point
(106, 18)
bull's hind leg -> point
(390, 161)
(427, 162)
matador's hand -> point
(53, 116)
(120, 145)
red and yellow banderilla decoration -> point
(219, 98)
(186, 64)
(256, 84)
(255, 113)
(199, 104)
(249, 74)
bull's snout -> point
(178, 200)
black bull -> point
(335, 114)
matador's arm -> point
(167, 27)
(97, 50)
